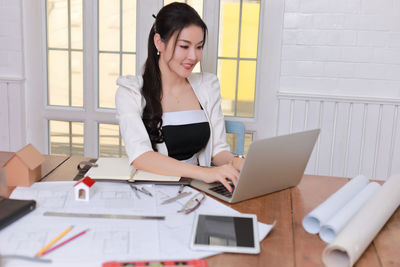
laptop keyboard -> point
(221, 189)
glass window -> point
(117, 46)
(237, 55)
(231, 139)
(66, 138)
(64, 53)
(110, 141)
(196, 4)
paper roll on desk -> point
(355, 237)
(332, 228)
(326, 210)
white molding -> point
(12, 79)
(339, 98)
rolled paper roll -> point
(313, 221)
(355, 237)
(333, 227)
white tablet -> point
(227, 233)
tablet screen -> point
(225, 231)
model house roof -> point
(87, 181)
(29, 156)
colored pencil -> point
(65, 242)
(53, 241)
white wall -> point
(342, 47)
(12, 94)
(340, 71)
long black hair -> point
(170, 19)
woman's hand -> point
(237, 163)
(222, 174)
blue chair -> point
(237, 128)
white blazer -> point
(130, 104)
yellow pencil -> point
(52, 242)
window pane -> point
(249, 29)
(246, 88)
(129, 25)
(248, 138)
(110, 141)
(239, 18)
(128, 64)
(227, 77)
(76, 24)
(196, 4)
(109, 25)
(57, 23)
(231, 139)
(108, 74)
(77, 79)
(77, 138)
(58, 79)
(66, 138)
(229, 28)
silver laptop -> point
(271, 165)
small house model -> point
(84, 188)
(24, 167)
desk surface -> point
(287, 244)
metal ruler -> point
(103, 216)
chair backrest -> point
(236, 127)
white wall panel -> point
(358, 136)
(17, 116)
(4, 132)
(327, 112)
(394, 166)
(340, 140)
(383, 155)
(312, 110)
(370, 139)
(356, 132)
(12, 115)
(284, 119)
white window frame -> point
(38, 113)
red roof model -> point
(87, 181)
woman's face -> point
(187, 52)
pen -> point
(40, 253)
(134, 188)
(144, 190)
(65, 242)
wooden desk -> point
(287, 244)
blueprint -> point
(107, 239)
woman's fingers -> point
(228, 172)
(227, 185)
(223, 174)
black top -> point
(185, 133)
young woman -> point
(170, 118)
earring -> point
(158, 53)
